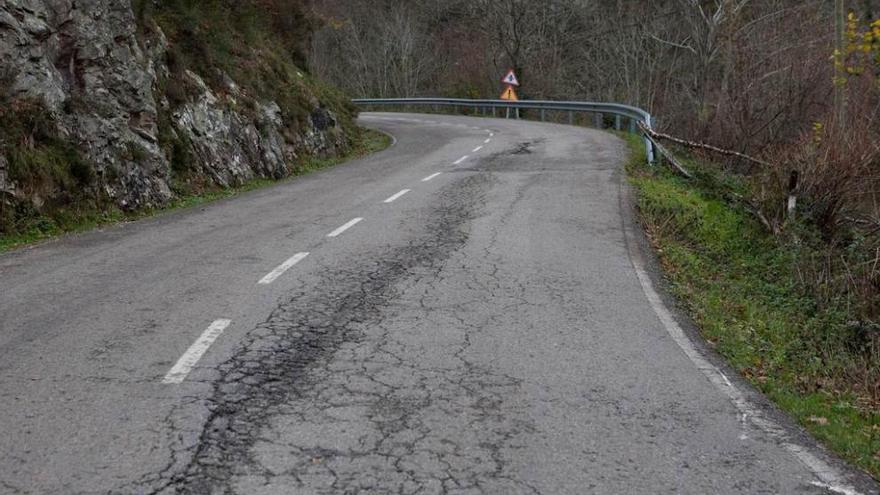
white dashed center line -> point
(185, 364)
(345, 227)
(287, 265)
(392, 198)
(458, 162)
(478, 148)
(426, 179)
(487, 141)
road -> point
(484, 318)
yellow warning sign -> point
(509, 94)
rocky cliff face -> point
(103, 79)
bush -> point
(41, 162)
(45, 168)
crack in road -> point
(526, 147)
(324, 362)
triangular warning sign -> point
(509, 94)
(510, 78)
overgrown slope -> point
(117, 106)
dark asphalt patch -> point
(522, 149)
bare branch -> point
(695, 145)
(674, 44)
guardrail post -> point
(649, 145)
(617, 123)
(542, 115)
(632, 125)
(597, 120)
(570, 117)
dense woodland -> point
(744, 73)
(751, 76)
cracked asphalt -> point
(485, 333)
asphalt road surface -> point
(472, 311)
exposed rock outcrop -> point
(83, 60)
(102, 79)
(231, 146)
(6, 187)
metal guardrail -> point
(633, 115)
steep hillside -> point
(119, 104)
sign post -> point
(510, 82)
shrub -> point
(39, 160)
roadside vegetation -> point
(44, 167)
(34, 226)
(769, 303)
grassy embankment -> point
(741, 286)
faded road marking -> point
(345, 227)
(274, 274)
(392, 198)
(426, 179)
(185, 364)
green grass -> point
(70, 221)
(740, 286)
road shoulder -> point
(834, 474)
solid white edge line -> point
(426, 179)
(345, 227)
(458, 162)
(392, 198)
(185, 364)
(392, 136)
(478, 148)
(830, 488)
(825, 472)
(283, 267)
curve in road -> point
(471, 311)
